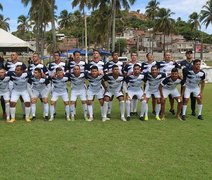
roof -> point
(9, 43)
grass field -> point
(112, 150)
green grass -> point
(110, 150)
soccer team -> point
(130, 83)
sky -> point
(182, 8)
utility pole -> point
(114, 25)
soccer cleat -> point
(46, 118)
(68, 119)
(146, 118)
(11, 120)
(51, 119)
(163, 118)
(193, 113)
(90, 119)
(27, 119)
(172, 111)
(24, 116)
(109, 115)
(157, 118)
(72, 118)
(141, 118)
(123, 119)
(200, 117)
(55, 114)
(105, 119)
(33, 118)
(183, 117)
(128, 118)
(179, 118)
(153, 112)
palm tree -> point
(1, 7)
(164, 23)
(64, 19)
(152, 9)
(206, 14)
(4, 24)
(23, 23)
(194, 21)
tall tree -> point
(1, 7)
(206, 14)
(23, 23)
(3, 23)
(194, 21)
(64, 19)
(164, 23)
(152, 9)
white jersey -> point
(77, 82)
(72, 64)
(52, 66)
(168, 83)
(38, 84)
(4, 84)
(10, 66)
(100, 64)
(110, 64)
(135, 82)
(128, 69)
(95, 84)
(146, 67)
(114, 84)
(166, 67)
(192, 79)
(60, 84)
(19, 82)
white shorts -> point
(135, 92)
(115, 93)
(5, 95)
(155, 93)
(42, 94)
(99, 94)
(124, 87)
(173, 92)
(56, 95)
(80, 92)
(188, 92)
(15, 95)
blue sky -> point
(181, 8)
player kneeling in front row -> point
(40, 88)
(20, 83)
(4, 91)
(59, 89)
(134, 83)
(169, 87)
(78, 88)
(193, 77)
(95, 88)
(115, 82)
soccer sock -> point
(12, 112)
(101, 108)
(157, 109)
(128, 107)
(131, 105)
(135, 105)
(199, 107)
(27, 111)
(90, 110)
(147, 109)
(184, 109)
(46, 109)
(67, 110)
(33, 109)
(109, 107)
(85, 109)
(52, 110)
(3, 104)
(105, 109)
(7, 108)
(121, 105)
(143, 108)
(23, 107)
(72, 110)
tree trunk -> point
(53, 26)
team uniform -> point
(5, 93)
(170, 87)
(95, 87)
(166, 67)
(146, 67)
(152, 84)
(134, 84)
(109, 65)
(32, 67)
(52, 67)
(192, 81)
(100, 64)
(72, 64)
